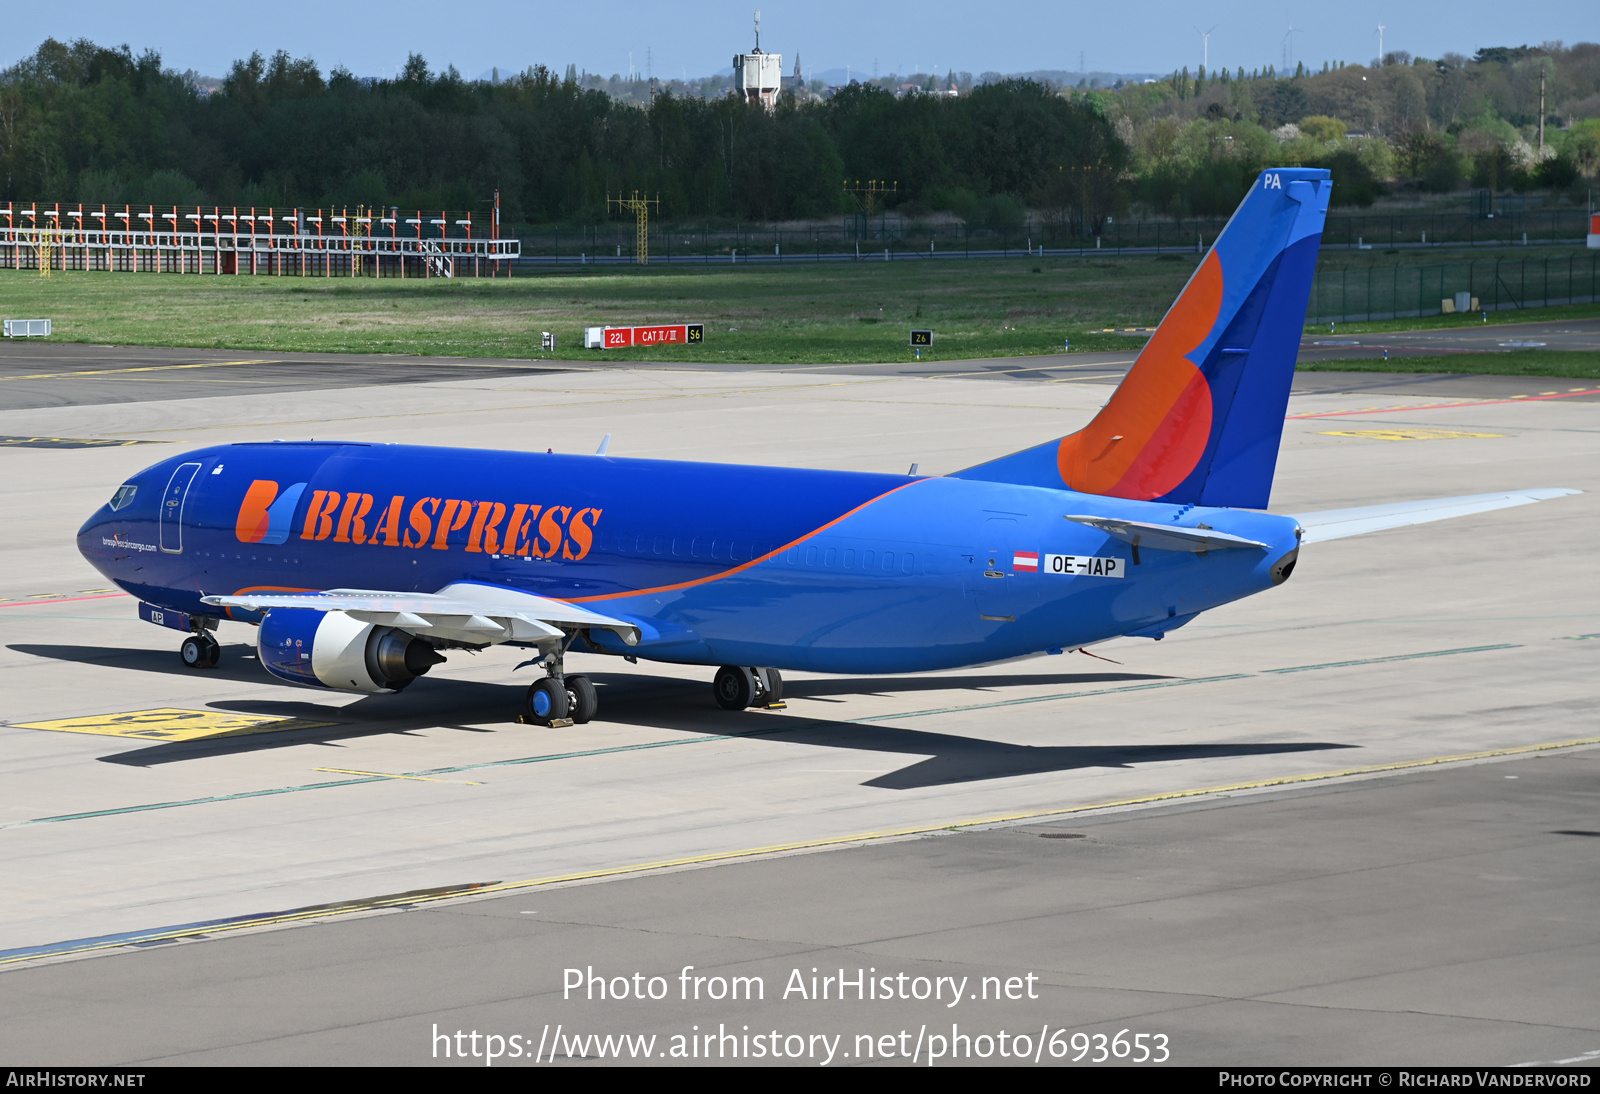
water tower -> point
(757, 76)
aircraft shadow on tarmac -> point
(233, 666)
(684, 706)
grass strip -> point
(1557, 364)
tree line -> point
(80, 122)
(1400, 124)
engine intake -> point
(333, 650)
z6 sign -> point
(677, 334)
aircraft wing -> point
(466, 612)
(1338, 523)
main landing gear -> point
(569, 700)
(737, 687)
(200, 651)
(560, 699)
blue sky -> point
(699, 37)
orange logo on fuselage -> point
(490, 527)
(252, 524)
(264, 517)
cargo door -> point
(995, 586)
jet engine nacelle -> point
(333, 650)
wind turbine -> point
(1288, 47)
(1381, 29)
(1205, 37)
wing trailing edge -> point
(466, 612)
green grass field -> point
(801, 313)
(1564, 364)
(1475, 319)
(833, 312)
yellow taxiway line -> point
(428, 897)
(134, 368)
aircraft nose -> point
(111, 521)
(89, 536)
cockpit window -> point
(123, 496)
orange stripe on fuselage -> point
(743, 565)
(1161, 412)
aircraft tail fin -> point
(1199, 417)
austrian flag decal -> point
(1026, 560)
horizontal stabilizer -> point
(1167, 537)
(1338, 523)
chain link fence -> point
(887, 235)
(1501, 284)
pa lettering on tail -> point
(1199, 417)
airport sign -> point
(671, 334)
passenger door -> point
(172, 507)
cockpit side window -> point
(123, 496)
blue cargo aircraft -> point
(363, 564)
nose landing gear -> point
(200, 651)
(737, 688)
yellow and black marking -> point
(68, 442)
(173, 724)
(1406, 434)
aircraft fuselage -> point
(826, 571)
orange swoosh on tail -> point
(1154, 430)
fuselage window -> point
(829, 559)
(888, 562)
(850, 559)
(811, 556)
(866, 560)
